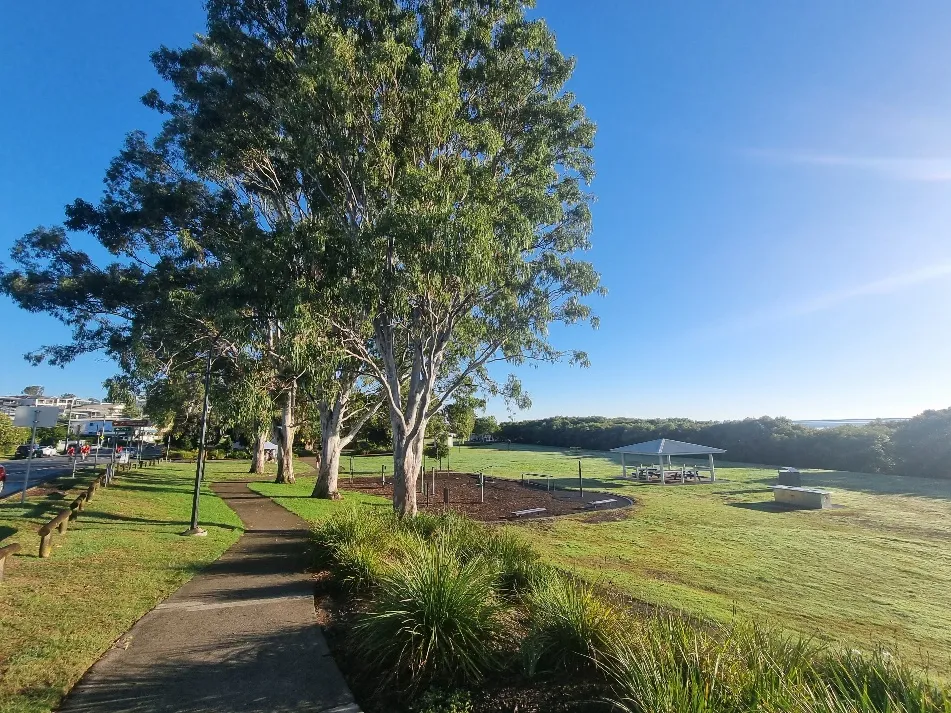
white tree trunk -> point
(257, 456)
(326, 486)
(407, 459)
(333, 439)
(285, 443)
(331, 444)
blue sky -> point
(773, 195)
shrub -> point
(433, 618)
(439, 701)
(239, 454)
(569, 626)
(216, 454)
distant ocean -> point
(832, 423)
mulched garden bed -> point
(501, 692)
(503, 497)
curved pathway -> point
(241, 636)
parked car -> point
(3, 477)
(38, 451)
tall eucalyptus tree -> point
(426, 169)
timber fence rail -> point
(59, 524)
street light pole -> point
(200, 465)
(29, 461)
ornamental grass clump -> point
(569, 626)
(515, 559)
(674, 665)
(358, 546)
(879, 681)
(433, 618)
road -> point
(42, 469)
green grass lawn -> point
(122, 557)
(875, 570)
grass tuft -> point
(433, 618)
(570, 627)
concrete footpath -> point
(240, 637)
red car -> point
(3, 477)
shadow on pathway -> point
(241, 636)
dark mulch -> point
(502, 497)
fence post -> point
(46, 544)
(445, 496)
(580, 480)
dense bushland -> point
(444, 603)
(919, 446)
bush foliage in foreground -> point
(446, 601)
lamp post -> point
(200, 465)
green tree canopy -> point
(421, 163)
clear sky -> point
(773, 195)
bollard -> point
(46, 544)
(5, 552)
(445, 495)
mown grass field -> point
(875, 570)
(124, 555)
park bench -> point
(5, 552)
(601, 502)
(530, 511)
(798, 497)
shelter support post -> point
(663, 480)
(713, 470)
(623, 467)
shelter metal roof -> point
(667, 447)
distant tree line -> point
(918, 446)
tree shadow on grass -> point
(6, 531)
(764, 506)
(880, 484)
(103, 518)
(871, 483)
(745, 491)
